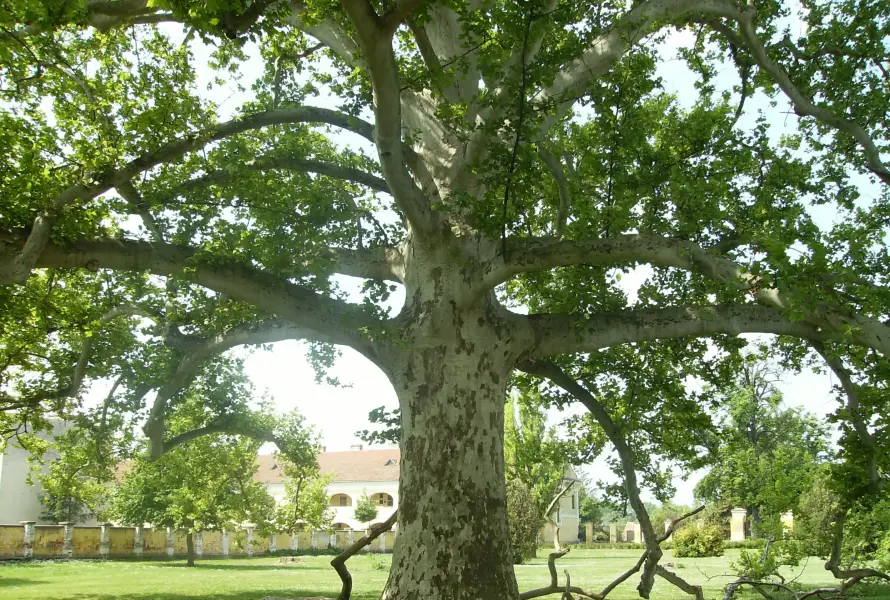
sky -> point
(338, 413)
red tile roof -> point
(354, 465)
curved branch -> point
(560, 378)
(339, 561)
(300, 165)
(803, 106)
(851, 390)
(331, 320)
(562, 184)
(560, 334)
(249, 334)
(537, 254)
(17, 268)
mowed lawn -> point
(251, 579)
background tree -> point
(524, 519)
(521, 155)
(767, 456)
(207, 484)
(365, 509)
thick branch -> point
(339, 562)
(250, 334)
(537, 254)
(300, 165)
(670, 530)
(17, 268)
(692, 590)
(329, 319)
(375, 39)
(562, 334)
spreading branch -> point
(17, 267)
(339, 562)
(562, 185)
(327, 319)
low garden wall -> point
(29, 540)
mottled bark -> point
(451, 376)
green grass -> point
(251, 579)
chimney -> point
(355, 447)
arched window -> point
(340, 527)
(382, 499)
(341, 500)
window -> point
(382, 499)
(341, 500)
(573, 500)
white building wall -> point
(346, 514)
(569, 518)
(18, 500)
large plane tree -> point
(525, 154)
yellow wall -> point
(154, 541)
(48, 540)
(211, 542)
(85, 541)
(121, 541)
(282, 541)
(11, 539)
(390, 539)
(238, 542)
(179, 545)
(304, 539)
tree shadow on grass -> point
(242, 567)
(13, 582)
(258, 594)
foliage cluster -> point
(698, 541)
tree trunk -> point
(452, 541)
(190, 547)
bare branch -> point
(339, 562)
(693, 590)
(677, 521)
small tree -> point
(365, 510)
(306, 501)
(524, 521)
(204, 484)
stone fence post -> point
(104, 539)
(139, 540)
(169, 541)
(67, 539)
(199, 543)
(28, 542)
(250, 540)
(737, 525)
(613, 533)
(294, 541)
(225, 542)
(314, 539)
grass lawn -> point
(251, 579)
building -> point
(568, 511)
(376, 473)
(20, 501)
(354, 472)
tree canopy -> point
(506, 164)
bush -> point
(698, 541)
(750, 544)
(524, 521)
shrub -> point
(697, 541)
(757, 566)
(750, 544)
(524, 521)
